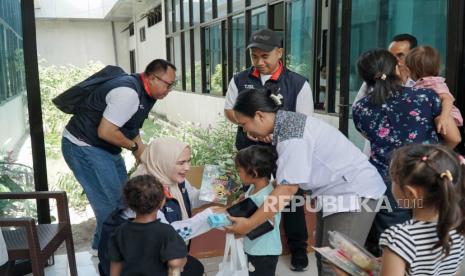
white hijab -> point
(159, 160)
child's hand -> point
(441, 123)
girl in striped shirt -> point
(430, 180)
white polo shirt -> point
(318, 157)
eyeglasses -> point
(168, 85)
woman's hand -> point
(253, 138)
(268, 139)
(240, 226)
(218, 209)
(441, 123)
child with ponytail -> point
(429, 179)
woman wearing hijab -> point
(168, 159)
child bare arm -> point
(176, 265)
(445, 118)
(116, 268)
(392, 264)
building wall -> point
(204, 109)
(76, 42)
(72, 8)
(13, 122)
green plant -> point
(76, 196)
(53, 81)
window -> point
(208, 10)
(177, 16)
(213, 60)
(238, 5)
(222, 7)
(195, 12)
(197, 60)
(176, 58)
(142, 33)
(154, 16)
(187, 61)
(185, 13)
(131, 29)
(239, 53)
(374, 23)
(132, 61)
(258, 20)
(169, 12)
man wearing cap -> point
(268, 71)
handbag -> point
(237, 263)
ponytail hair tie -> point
(447, 174)
(461, 159)
(277, 99)
(380, 76)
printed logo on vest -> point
(249, 86)
(169, 210)
(141, 106)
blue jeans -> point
(101, 175)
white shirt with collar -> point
(317, 157)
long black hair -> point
(249, 101)
(439, 171)
(378, 69)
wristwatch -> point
(134, 147)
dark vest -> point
(289, 84)
(172, 209)
(84, 124)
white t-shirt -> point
(122, 104)
(304, 101)
(317, 157)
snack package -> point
(349, 256)
(353, 251)
(218, 220)
(216, 186)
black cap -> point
(264, 39)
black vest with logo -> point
(289, 84)
(84, 124)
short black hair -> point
(406, 37)
(158, 65)
(257, 160)
(143, 194)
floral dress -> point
(407, 117)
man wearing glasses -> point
(108, 120)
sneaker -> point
(93, 252)
(299, 260)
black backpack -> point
(69, 100)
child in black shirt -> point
(145, 246)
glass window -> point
(177, 60)
(196, 12)
(16, 173)
(187, 60)
(213, 60)
(258, 19)
(374, 23)
(257, 2)
(185, 13)
(177, 6)
(238, 5)
(208, 10)
(169, 10)
(197, 61)
(299, 37)
(239, 54)
(222, 7)
(374, 26)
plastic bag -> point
(237, 263)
